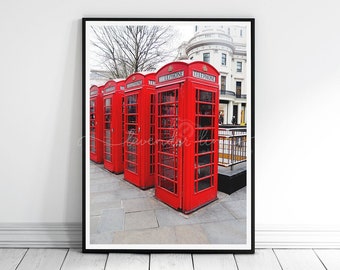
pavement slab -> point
(226, 232)
(164, 235)
(191, 234)
(140, 220)
(237, 208)
(141, 204)
(111, 220)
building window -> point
(196, 28)
(206, 57)
(241, 33)
(238, 89)
(239, 66)
(224, 59)
(223, 85)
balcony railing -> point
(232, 146)
(231, 93)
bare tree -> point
(124, 50)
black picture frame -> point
(245, 182)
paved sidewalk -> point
(121, 213)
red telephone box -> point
(113, 96)
(139, 148)
(187, 135)
(96, 124)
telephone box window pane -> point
(203, 184)
(132, 109)
(203, 172)
(132, 99)
(168, 109)
(167, 147)
(167, 122)
(167, 160)
(132, 119)
(167, 184)
(205, 147)
(168, 96)
(205, 109)
(108, 157)
(205, 96)
(132, 167)
(132, 138)
(169, 173)
(204, 159)
(204, 122)
(131, 148)
(204, 134)
(107, 102)
(132, 157)
(132, 129)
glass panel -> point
(131, 167)
(131, 148)
(168, 96)
(205, 121)
(204, 159)
(204, 134)
(203, 172)
(168, 160)
(205, 147)
(132, 119)
(166, 147)
(132, 99)
(205, 109)
(203, 184)
(167, 184)
(132, 157)
(107, 102)
(132, 109)
(167, 172)
(205, 96)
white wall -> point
(297, 105)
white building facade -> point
(224, 47)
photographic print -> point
(168, 128)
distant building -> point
(224, 47)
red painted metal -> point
(96, 124)
(139, 126)
(113, 97)
(187, 98)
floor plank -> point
(214, 261)
(125, 261)
(298, 259)
(262, 259)
(10, 258)
(171, 261)
(75, 260)
(41, 259)
(329, 257)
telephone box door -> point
(168, 159)
(202, 186)
(132, 137)
(96, 124)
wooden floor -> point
(263, 259)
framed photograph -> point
(168, 128)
